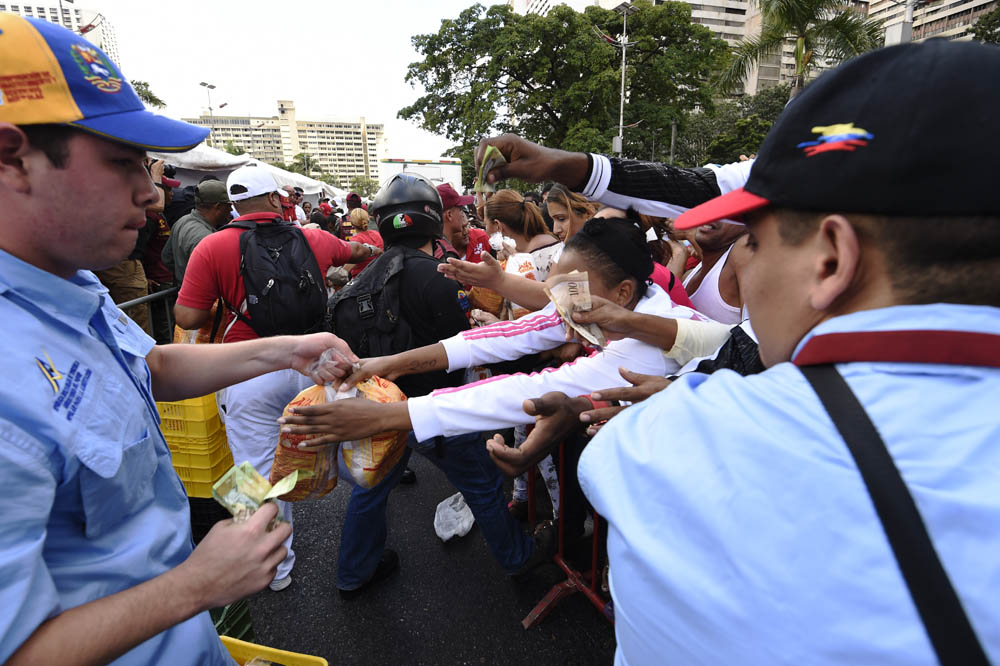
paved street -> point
(449, 603)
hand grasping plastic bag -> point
(367, 460)
(316, 465)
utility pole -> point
(901, 33)
(673, 140)
(211, 115)
(625, 9)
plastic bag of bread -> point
(521, 264)
(369, 460)
(317, 465)
(199, 336)
(486, 300)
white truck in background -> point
(438, 171)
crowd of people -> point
(788, 430)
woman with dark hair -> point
(614, 254)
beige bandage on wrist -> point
(696, 339)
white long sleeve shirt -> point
(495, 403)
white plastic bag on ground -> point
(453, 517)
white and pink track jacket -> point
(495, 403)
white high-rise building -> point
(347, 148)
(777, 69)
(725, 18)
(91, 24)
(950, 20)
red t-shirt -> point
(661, 276)
(479, 242)
(214, 270)
(371, 237)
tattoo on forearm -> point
(421, 365)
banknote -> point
(492, 158)
(242, 490)
(571, 293)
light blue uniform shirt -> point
(741, 532)
(92, 505)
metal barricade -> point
(587, 583)
(163, 296)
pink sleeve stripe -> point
(510, 330)
(456, 389)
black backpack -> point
(285, 291)
(367, 312)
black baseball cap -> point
(908, 130)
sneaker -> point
(518, 509)
(279, 584)
(546, 542)
(386, 567)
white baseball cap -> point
(251, 181)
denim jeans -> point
(469, 468)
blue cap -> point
(51, 75)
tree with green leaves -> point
(987, 28)
(305, 164)
(147, 96)
(731, 129)
(233, 149)
(330, 179)
(555, 78)
(824, 32)
(364, 186)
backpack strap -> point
(945, 621)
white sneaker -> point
(279, 584)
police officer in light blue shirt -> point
(96, 558)
(740, 527)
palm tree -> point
(823, 31)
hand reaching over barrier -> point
(556, 416)
(643, 386)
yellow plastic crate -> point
(209, 474)
(243, 652)
(205, 453)
(193, 409)
(183, 429)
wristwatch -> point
(372, 249)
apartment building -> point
(725, 18)
(942, 19)
(347, 148)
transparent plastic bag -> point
(316, 465)
(369, 460)
(453, 517)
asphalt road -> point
(449, 603)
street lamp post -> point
(625, 9)
(211, 116)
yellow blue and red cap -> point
(51, 75)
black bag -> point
(367, 312)
(285, 291)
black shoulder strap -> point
(944, 619)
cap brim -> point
(145, 130)
(728, 206)
(465, 201)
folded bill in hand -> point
(571, 293)
(492, 158)
(242, 490)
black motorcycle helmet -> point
(407, 206)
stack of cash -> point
(492, 158)
(571, 293)
(242, 490)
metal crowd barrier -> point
(152, 298)
(588, 583)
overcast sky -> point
(334, 58)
